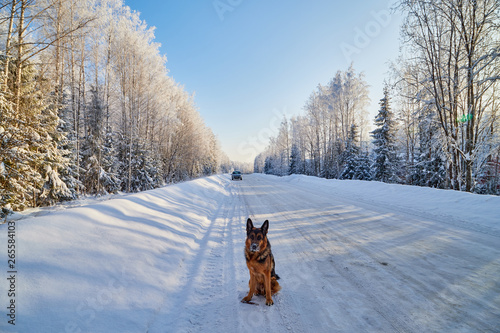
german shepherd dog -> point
(260, 263)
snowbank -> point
(106, 267)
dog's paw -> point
(269, 302)
(246, 299)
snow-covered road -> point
(352, 256)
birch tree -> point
(125, 123)
(456, 45)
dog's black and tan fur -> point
(260, 263)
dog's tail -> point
(275, 286)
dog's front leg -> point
(267, 285)
(252, 284)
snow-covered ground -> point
(353, 257)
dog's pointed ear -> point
(265, 227)
(249, 225)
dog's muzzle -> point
(254, 247)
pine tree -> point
(31, 159)
(20, 179)
(110, 177)
(362, 170)
(144, 175)
(8, 174)
(122, 153)
(384, 167)
(351, 155)
(430, 169)
(54, 163)
(268, 169)
(69, 173)
(99, 164)
(47, 159)
(98, 160)
(91, 145)
(295, 160)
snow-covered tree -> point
(296, 162)
(9, 176)
(351, 155)
(321, 135)
(362, 169)
(96, 112)
(385, 164)
(454, 49)
(31, 158)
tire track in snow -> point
(180, 311)
(229, 267)
(218, 311)
(341, 267)
(212, 300)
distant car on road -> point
(236, 175)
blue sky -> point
(249, 62)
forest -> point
(438, 120)
(87, 106)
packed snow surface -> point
(353, 256)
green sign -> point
(465, 118)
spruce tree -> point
(31, 161)
(350, 156)
(430, 169)
(8, 157)
(362, 169)
(98, 160)
(47, 160)
(385, 165)
(55, 162)
(69, 173)
(268, 169)
(144, 175)
(295, 160)
(110, 179)
(91, 145)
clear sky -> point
(249, 62)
